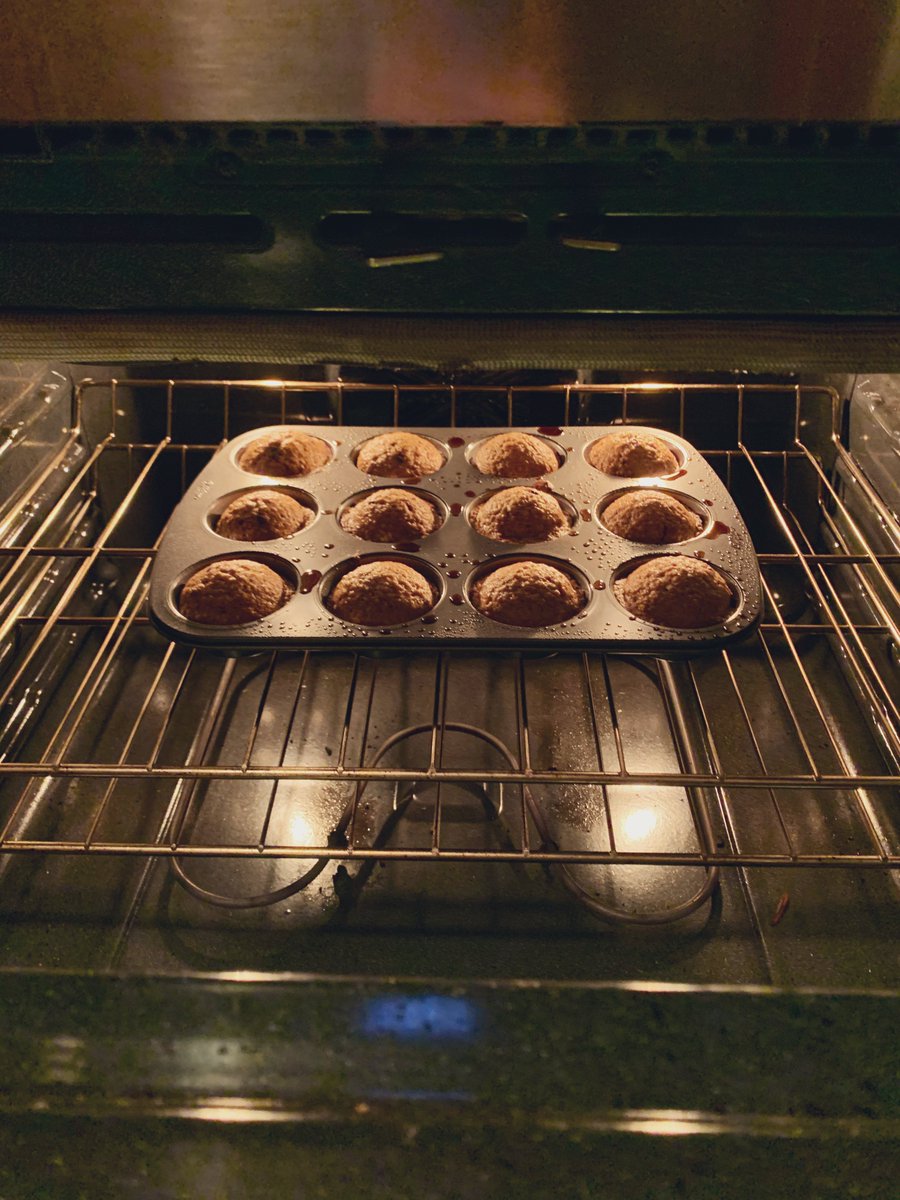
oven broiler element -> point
(781, 752)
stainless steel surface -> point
(455, 555)
(522, 61)
(875, 433)
(377, 793)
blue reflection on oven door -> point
(420, 1018)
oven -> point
(447, 922)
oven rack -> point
(781, 752)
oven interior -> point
(726, 819)
(443, 924)
(447, 924)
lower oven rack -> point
(781, 752)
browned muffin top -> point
(676, 591)
(289, 452)
(650, 516)
(391, 515)
(528, 593)
(381, 593)
(232, 592)
(631, 454)
(399, 455)
(515, 455)
(520, 514)
(262, 516)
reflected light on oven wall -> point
(448, 61)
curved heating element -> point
(342, 830)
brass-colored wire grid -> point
(780, 752)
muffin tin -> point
(454, 555)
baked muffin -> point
(528, 593)
(286, 453)
(676, 591)
(515, 455)
(631, 454)
(391, 515)
(381, 593)
(232, 592)
(263, 516)
(520, 514)
(650, 516)
(399, 455)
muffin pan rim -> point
(595, 552)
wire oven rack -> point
(781, 752)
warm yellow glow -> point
(300, 831)
(639, 824)
(670, 1123)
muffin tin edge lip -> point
(352, 500)
(566, 505)
(221, 503)
(274, 561)
(445, 449)
(682, 450)
(346, 565)
(562, 455)
(655, 484)
(239, 443)
(482, 570)
(302, 621)
(733, 620)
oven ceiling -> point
(517, 61)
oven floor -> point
(419, 918)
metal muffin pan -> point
(312, 559)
